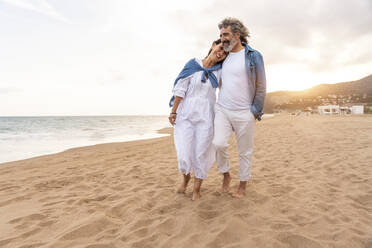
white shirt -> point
(234, 91)
(198, 97)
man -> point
(240, 102)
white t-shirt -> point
(234, 91)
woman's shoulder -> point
(199, 61)
(190, 62)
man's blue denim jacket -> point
(257, 79)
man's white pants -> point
(242, 123)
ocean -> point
(26, 137)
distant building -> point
(336, 109)
(357, 110)
(329, 109)
(345, 110)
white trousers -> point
(195, 152)
(242, 123)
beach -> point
(311, 187)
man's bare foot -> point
(225, 183)
(196, 192)
(183, 187)
(240, 193)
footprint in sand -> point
(10, 188)
(294, 241)
(208, 215)
(91, 229)
(15, 200)
(33, 245)
(109, 245)
(28, 218)
(118, 211)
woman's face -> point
(218, 54)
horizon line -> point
(155, 115)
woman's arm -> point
(173, 114)
(179, 92)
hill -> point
(345, 93)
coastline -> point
(310, 187)
(158, 132)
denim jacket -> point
(257, 79)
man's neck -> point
(238, 47)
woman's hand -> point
(172, 118)
(173, 114)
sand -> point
(311, 187)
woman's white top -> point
(198, 97)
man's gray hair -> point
(236, 26)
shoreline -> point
(164, 131)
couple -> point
(202, 126)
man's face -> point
(228, 39)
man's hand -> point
(172, 118)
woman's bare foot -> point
(195, 196)
(183, 187)
(240, 193)
(196, 193)
(225, 183)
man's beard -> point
(231, 45)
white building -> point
(357, 110)
(336, 109)
(329, 109)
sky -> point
(112, 57)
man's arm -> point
(259, 99)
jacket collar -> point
(247, 48)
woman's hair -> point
(236, 26)
(216, 42)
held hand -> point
(254, 112)
(255, 116)
(172, 118)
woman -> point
(192, 115)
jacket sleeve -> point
(259, 99)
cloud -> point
(9, 90)
(113, 76)
(40, 6)
(121, 51)
(322, 35)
